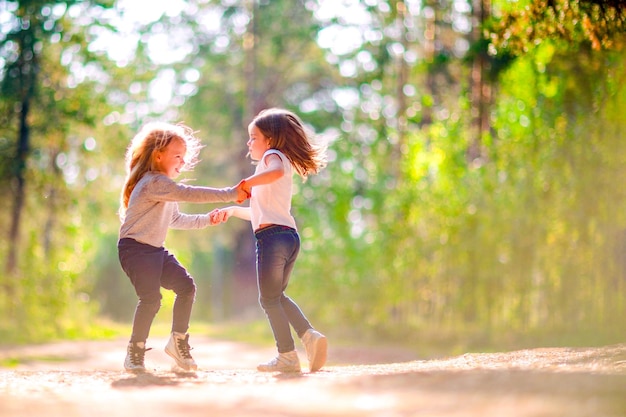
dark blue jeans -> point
(149, 269)
(277, 248)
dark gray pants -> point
(149, 269)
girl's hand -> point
(243, 191)
(218, 216)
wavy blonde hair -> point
(140, 156)
(287, 133)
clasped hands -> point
(243, 192)
(218, 216)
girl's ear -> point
(155, 160)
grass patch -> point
(427, 341)
(100, 329)
(13, 362)
(10, 362)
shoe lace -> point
(184, 348)
(137, 354)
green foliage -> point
(403, 235)
(48, 115)
(600, 24)
(528, 241)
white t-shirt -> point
(271, 203)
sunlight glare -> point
(136, 11)
(346, 36)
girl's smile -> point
(171, 159)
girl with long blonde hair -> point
(149, 207)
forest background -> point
(474, 196)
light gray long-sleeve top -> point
(153, 208)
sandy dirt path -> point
(85, 379)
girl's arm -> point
(163, 188)
(274, 171)
(242, 213)
(185, 221)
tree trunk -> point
(19, 198)
(430, 34)
(244, 268)
(401, 80)
(480, 86)
(27, 67)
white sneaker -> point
(316, 347)
(284, 362)
(178, 348)
(135, 353)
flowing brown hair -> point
(140, 155)
(287, 133)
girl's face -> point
(257, 144)
(171, 159)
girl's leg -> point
(295, 316)
(276, 254)
(315, 343)
(176, 278)
(143, 265)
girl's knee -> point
(150, 304)
(269, 302)
(188, 291)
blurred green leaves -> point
(404, 231)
